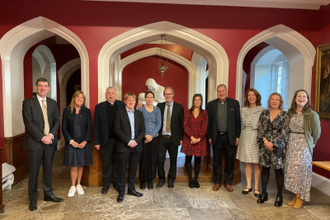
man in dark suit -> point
(171, 136)
(224, 129)
(105, 138)
(41, 119)
(130, 130)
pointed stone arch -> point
(47, 63)
(13, 47)
(299, 51)
(212, 51)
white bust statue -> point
(156, 89)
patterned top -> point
(152, 120)
(196, 127)
(275, 132)
(248, 148)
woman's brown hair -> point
(193, 105)
(256, 93)
(307, 107)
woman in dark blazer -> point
(76, 128)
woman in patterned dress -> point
(273, 130)
(194, 140)
(148, 161)
(76, 128)
(305, 130)
(248, 149)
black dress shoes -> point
(191, 184)
(150, 184)
(160, 183)
(196, 184)
(263, 198)
(246, 191)
(53, 199)
(135, 193)
(143, 185)
(105, 189)
(120, 198)
(278, 201)
(33, 205)
(170, 185)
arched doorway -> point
(13, 47)
(212, 51)
(298, 50)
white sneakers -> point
(72, 191)
(80, 190)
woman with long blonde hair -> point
(76, 128)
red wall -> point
(136, 74)
(175, 48)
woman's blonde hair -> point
(77, 93)
(281, 100)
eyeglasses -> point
(168, 93)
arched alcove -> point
(299, 51)
(13, 47)
(47, 68)
(212, 51)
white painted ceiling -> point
(291, 4)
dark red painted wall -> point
(175, 48)
(136, 74)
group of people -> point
(284, 141)
(128, 138)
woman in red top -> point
(194, 140)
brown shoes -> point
(228, 188)
(216, 186)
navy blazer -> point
(176, 122)
(101, 126)
(233, 120)
(34, 122)
(124, 133)
(68, 128)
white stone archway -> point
(212, 51)
(13, 47)
(299, 51)
(47, 69)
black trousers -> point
(130, 159)
(148, 161)
(109, 162)
(222, 147)
(45, 156)
(164, 145)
